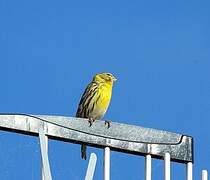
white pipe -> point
(167, 167)
(148, 167)
(189, 171)
(107, 163)
(91, 167)
(204, 175)
(46, 173)
(46, 146)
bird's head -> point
(104, 78)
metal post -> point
(46, 146)
(91, 167)
(189, 171)
(167, 167)
(107, 163)
(204, 175)
(46, 174)
(148, 167)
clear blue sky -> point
(158, 50)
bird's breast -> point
(105, 94)
(102, 102)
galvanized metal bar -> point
(107, 163)
(42, 168)
(44, 154)
(46, 144)
(119, 137)
(148, 167)
(189, 171)
(167, 167)
(91, 167)
(204, 175)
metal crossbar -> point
(149, 142)
(119, 137)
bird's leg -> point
(108, 122)
(91, 121)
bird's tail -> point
(83, 151)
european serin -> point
(95, 100)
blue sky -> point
(158, 50)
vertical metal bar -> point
(189, 171)
(148, 167)
(167, 168)
(204, 175)
(46, 144)
(45, 161)
(107, 163)
(91, 167)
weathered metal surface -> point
(119, 137)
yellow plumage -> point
(95, 100)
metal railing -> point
(147, 142)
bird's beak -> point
(114, 79)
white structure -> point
(121, 137)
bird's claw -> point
(91, 120)
(108, 122)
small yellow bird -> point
(95, 100)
